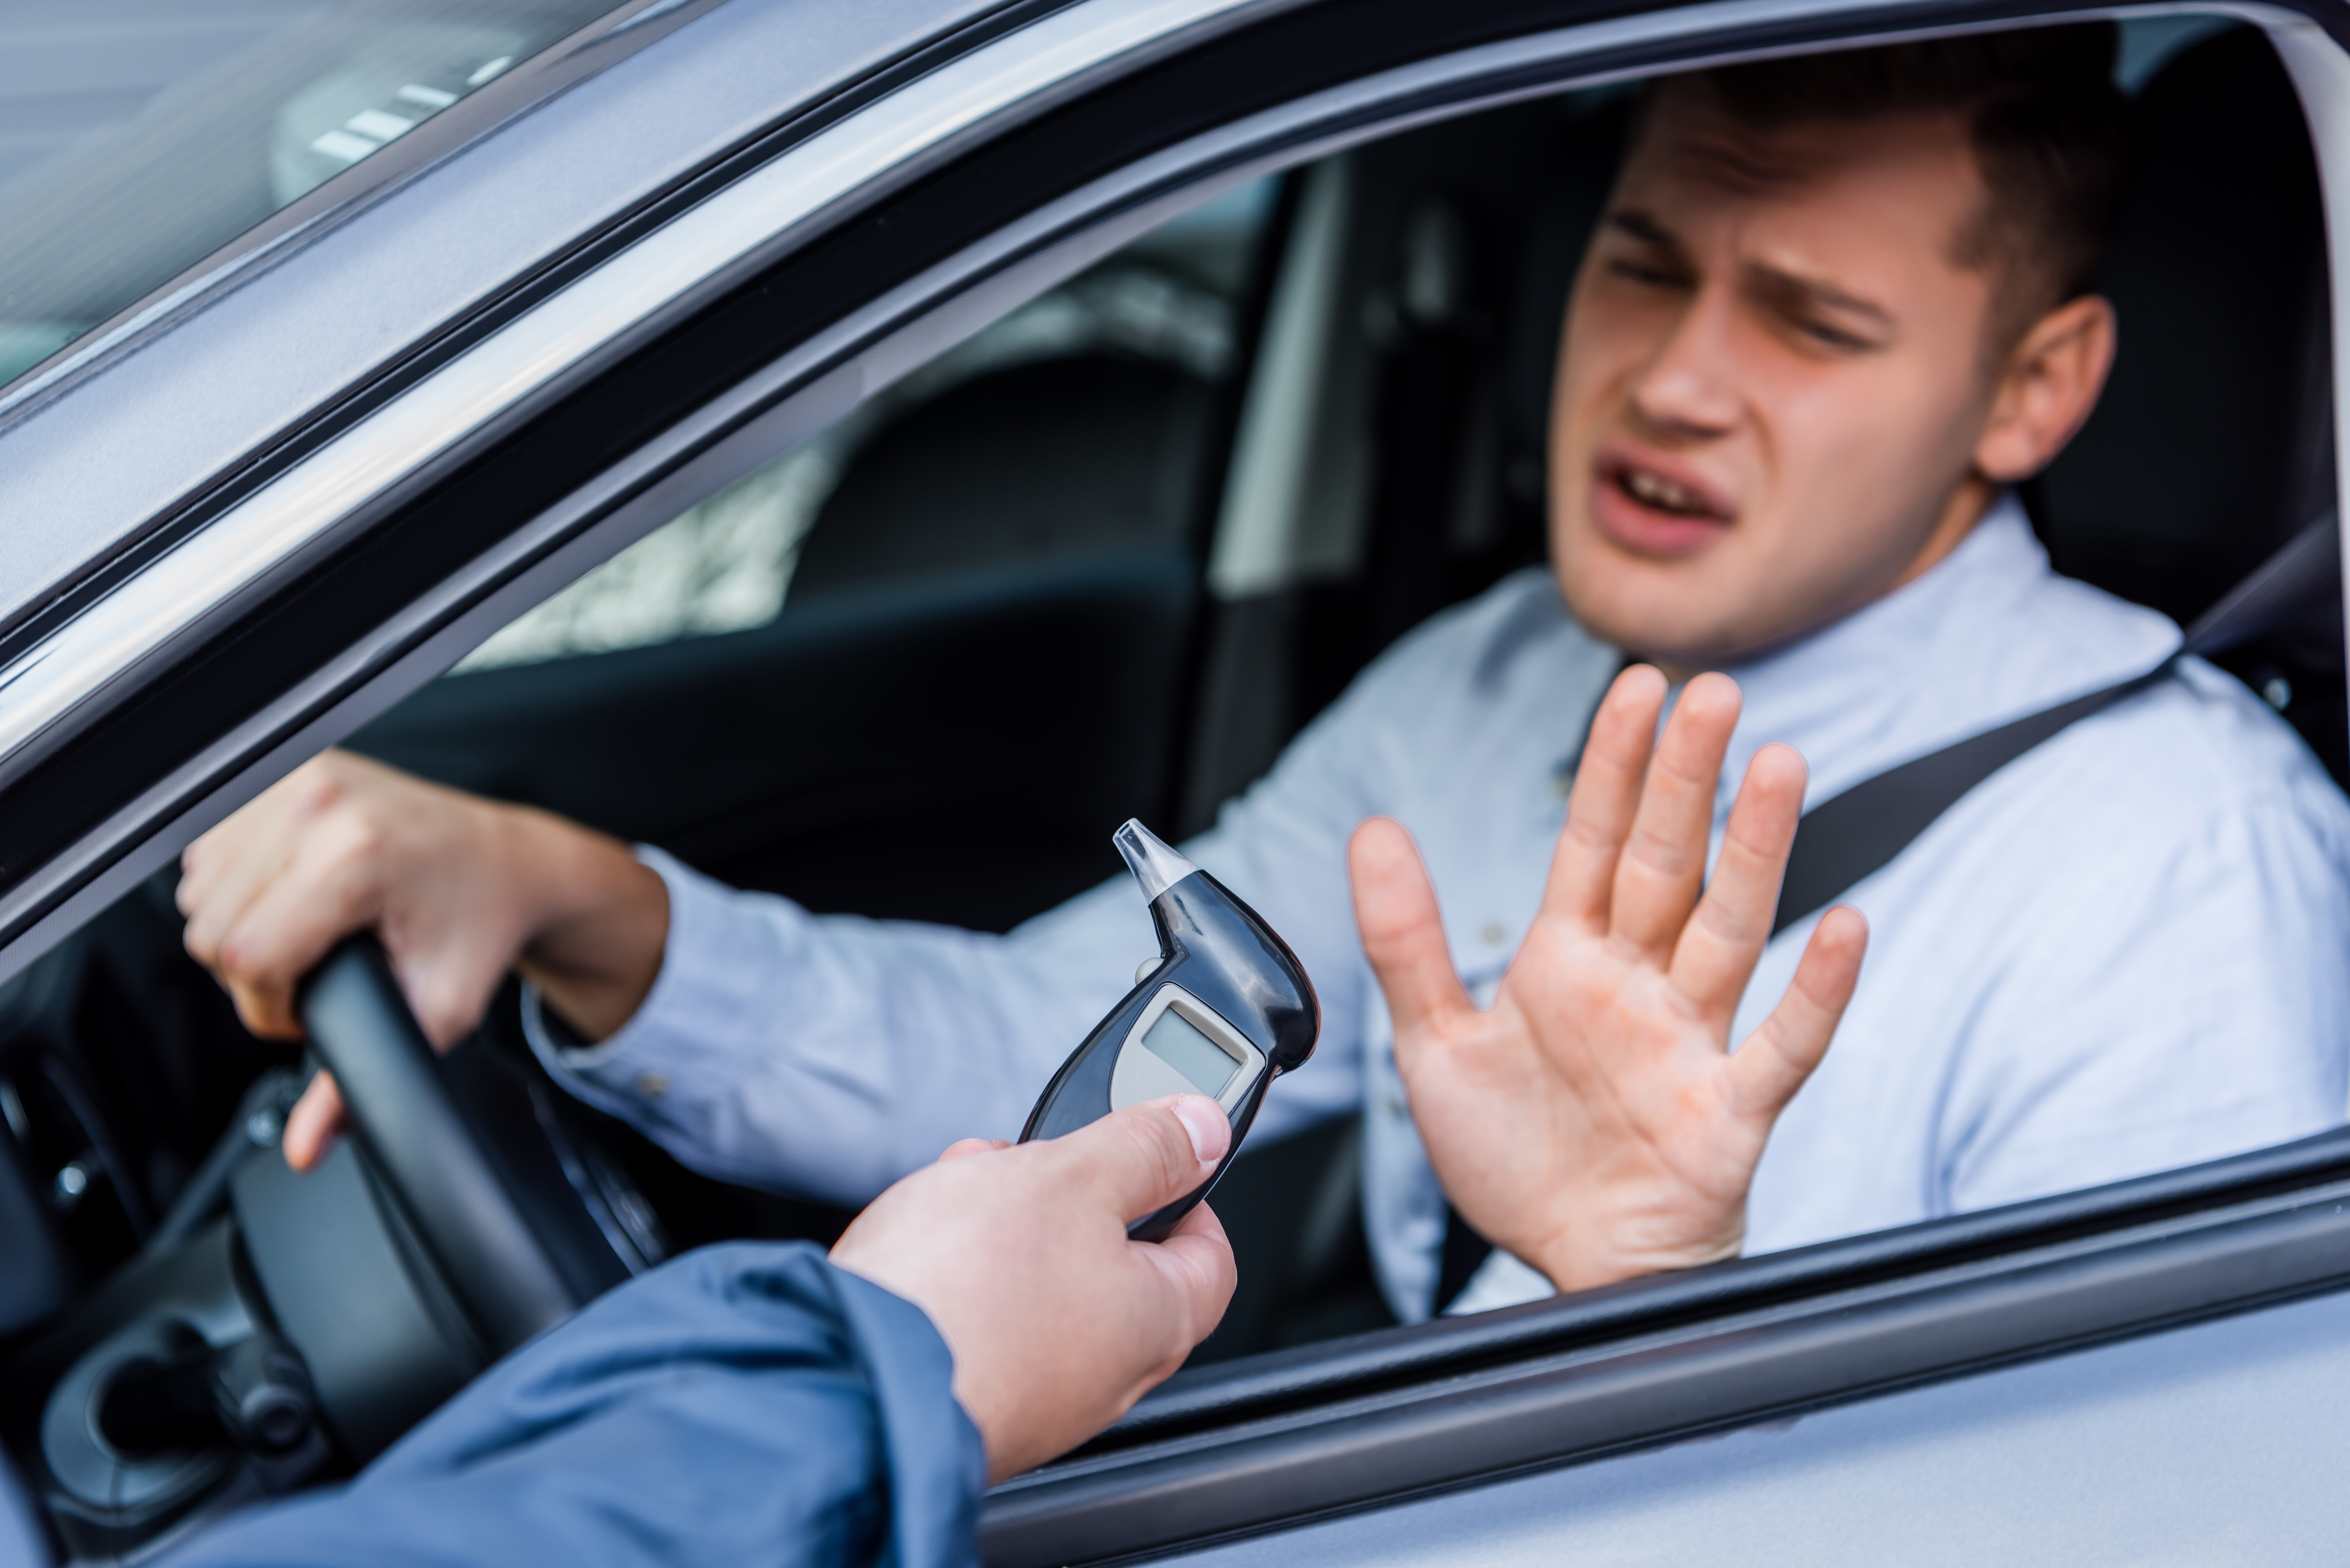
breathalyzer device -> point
(1225, 1008)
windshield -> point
(116, 213)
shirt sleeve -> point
(2180, 1007)
(746, 1404)
(828, 1055)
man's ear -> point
(2046, 390)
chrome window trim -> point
(1572, 1401)
(145, 450)
(247, 550)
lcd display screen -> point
(1175, 1041)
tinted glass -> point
(91, 223)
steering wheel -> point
(471, 1216)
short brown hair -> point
(2053, 136)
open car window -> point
(1108, 554)
(1108, 384)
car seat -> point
(1066, 457)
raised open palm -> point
(1593, 1121)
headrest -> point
(2213, 444)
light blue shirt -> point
(2123, 952)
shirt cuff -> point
(630, 1065)
(1500, 1280)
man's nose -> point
(1690, 388)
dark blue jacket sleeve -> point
(746, 1404)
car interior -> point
(976, 625)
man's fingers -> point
(312, 1124)
(218, 885)
(266, 1011)
(1146, 1156)
(223, 871)
(1663, 864)
(1717, 952)
(1403, 935)
(1606, 796)
(1778, 1056)
(964, 1146)
(448, 988)
(323, 894)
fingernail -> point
(1204, 1120)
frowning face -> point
(1773, 385)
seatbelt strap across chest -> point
(1842, 841)
(1850, 836)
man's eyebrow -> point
(1779, 284)
(1641, 226)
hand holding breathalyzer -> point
(1057, 1320)
(1225, 1009)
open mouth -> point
(1656, 508)
(1656, 491)
(1645, 486)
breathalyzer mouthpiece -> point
(1153, 861)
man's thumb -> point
(1148, 1156)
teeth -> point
(1661, 493)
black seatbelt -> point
(1841, 841)
(1846, 838)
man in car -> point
(753, 1402)
(1835, 307)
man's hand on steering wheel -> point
(458, 889)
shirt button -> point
(652, 1086)
(1493, 933)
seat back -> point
(2213, 443)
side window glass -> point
(104, 199)
(1080, 424)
